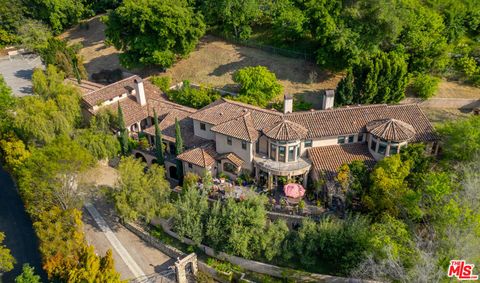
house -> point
(234, 138)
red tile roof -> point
(110, 91)
(327, 159)
(241, 128)
(391, 129)
(285, 130)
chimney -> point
(140, 91)
(287, 104)
(328, 99)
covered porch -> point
(272, 173)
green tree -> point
(258, 86)
(179, 149)
(99, 144)
(28, 275)
(50, 176)
(65, 57)
(234, 17)
(34, 35)
(153, 32)
(141, 194)
(159, 152)
(122, 130)
(93, 268)
(6, 259)
(59, 14)
(425, 85)
(345, 90)
(191, 207)
(7, 105)
(13, 152)
(461, 139)
(12, 15)
(273, 239)
(193, 97)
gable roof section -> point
(203, 156)
(110, 91)
(241, 128)
(328, 159)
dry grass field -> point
(449, 89)
(212, 63)
(441, 115)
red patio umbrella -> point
(294, 190)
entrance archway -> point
(172, 172)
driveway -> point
(133, 257)
(17, 226)
(17, 72)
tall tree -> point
(28, 275)
(191, 207)
(345, 90)
(179, 149)
(123, 132)
(159, 152)
(258, 85)
(141, 194)
(154, 32)
(6, 259)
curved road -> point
(17, 226)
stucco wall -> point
(236, 147)
(263, 145)
(198, 170)
(207, 134)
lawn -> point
(440, 115)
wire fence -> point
(291, 53)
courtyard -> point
(17, 71)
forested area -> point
(383, 46)
(45, 145)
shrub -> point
(161, 82)
(193, 97)
(425, 85)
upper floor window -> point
(203, 127)
(373, 145)
(281, 153)
(190, 165)
(273, 151)
(244, 145)
(341, 139)
(382, 148)
(308, 143)
(291, 153)
(229, 140)
(393, 149)
(351, 138)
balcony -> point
(301, 166)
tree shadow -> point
(164, 266)
(24, 74)
(89, 33)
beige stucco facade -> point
(222, 146)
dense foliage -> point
(258, 86)
(6, 259)
(153, 32)
(193, 97)
(37, 147)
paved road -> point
(14, 222)
(111, 235)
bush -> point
(193, 97)
(161, 82)
(425, 85)
(258, 85)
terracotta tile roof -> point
(202, 156)
(350, 120)
(224, 110)
(232, 157)
(241, 128)
(110, 91)
(328, 159)
(391, 130)
(285, 130)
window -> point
(229, 167)
(190, 165)
(382, 148)
(273, 151)
(360, 138)
(341, 139)
(393, 149)
(229, 140)
(308, 143)
(291, 153)
(373, 145)
(244, 145)
(298, 151)
(281, 153)
(203, 127)
(351, 138)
